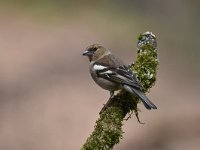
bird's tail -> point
(147, 103)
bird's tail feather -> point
(147, 103)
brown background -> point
(48, 100)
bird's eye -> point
(94, 49)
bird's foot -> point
(108, 104)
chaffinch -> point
(111, 74)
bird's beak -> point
(87, 53)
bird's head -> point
(95, 52)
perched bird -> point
(111, 74)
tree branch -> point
(108, 128)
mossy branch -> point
(108, 128)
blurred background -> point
(48, 101)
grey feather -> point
(147, 103)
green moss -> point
(107, 131)
(146, 65)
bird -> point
(112, 74)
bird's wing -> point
(120, 74)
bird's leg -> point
(111, 94)
(109, 102)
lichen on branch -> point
(108, 128)
(146, 65)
